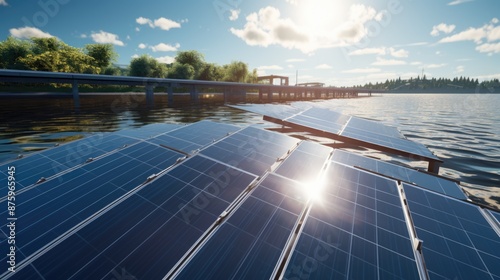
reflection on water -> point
(463, 130)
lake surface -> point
(461, 129)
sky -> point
(339, 43)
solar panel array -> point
(217, 201)
(341, 127)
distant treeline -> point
(435, 84)
(53, 55)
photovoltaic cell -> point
(55, 160)
(458, 241)
(356, 230)
(409, 175)
(305, 162)
(249, 244)
(251, 149)
(320, 119)
(373, 127)
(145, 235)
(272, 110)
(194, 136)
(149, 130)
(55, 206)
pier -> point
(230, 90)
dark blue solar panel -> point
(458, 241)
(305, 162)
(374, 127)
(53, 207)
(251, 149)
(149, 130)
(356, 230)
(146, 234)
(55, 160)
(409, 175)
(320, 119)
(249, 244)
(272, 110)
(194, 136)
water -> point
(461, 129)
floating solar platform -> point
(333, 125)
(216, 201)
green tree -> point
(252, 78)
(41, 45)
(181, 71)
(147, 66)
(103, 54)
(69, 60)
(11, 50)
(236, 71)
(193, 58)
(211, 72)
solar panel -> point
(194, 136)
(496, 215)
(357, 230)
(459, 243)
(145, 235)
(425, 180)
(55, 160)
(305, 163)
(251, 149)
(373, 127)
(249, 244)
(277, 111)
(149, 130)
(53, 207)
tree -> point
(41, 45)
(181, 71)
(236, 71)
(11, 50)
(211, 72)
(193, 58)
(103, 54)
(69, 60)
(253, 77)
(147, 66)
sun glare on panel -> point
(314, 190)
(319, 16)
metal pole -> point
(76, 95)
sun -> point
(320, 17)
(314, 189)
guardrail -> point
(21, 76)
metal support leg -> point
(76, 95)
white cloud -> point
(3, 3)
(267, 27)
(388, 62)
(29, 32)
(459, 69)
(489, 48)
(234, 15)
(166, 59)
(416, 63)
(378, 51)
(442, 27)
(488, 31)
(137, 29)
(142, 46)
(295, 60)
(488, 77)
(135, 56)
(83, 36)
(106, 38)
(128, 37)
(162, 23)
(162, 47)
(456, 2)
(324, 66)
(143, 20)
(362, 70)
(381, 51)
(398, 53)
(433, 66)
(166, 24)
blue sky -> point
(335, 42)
